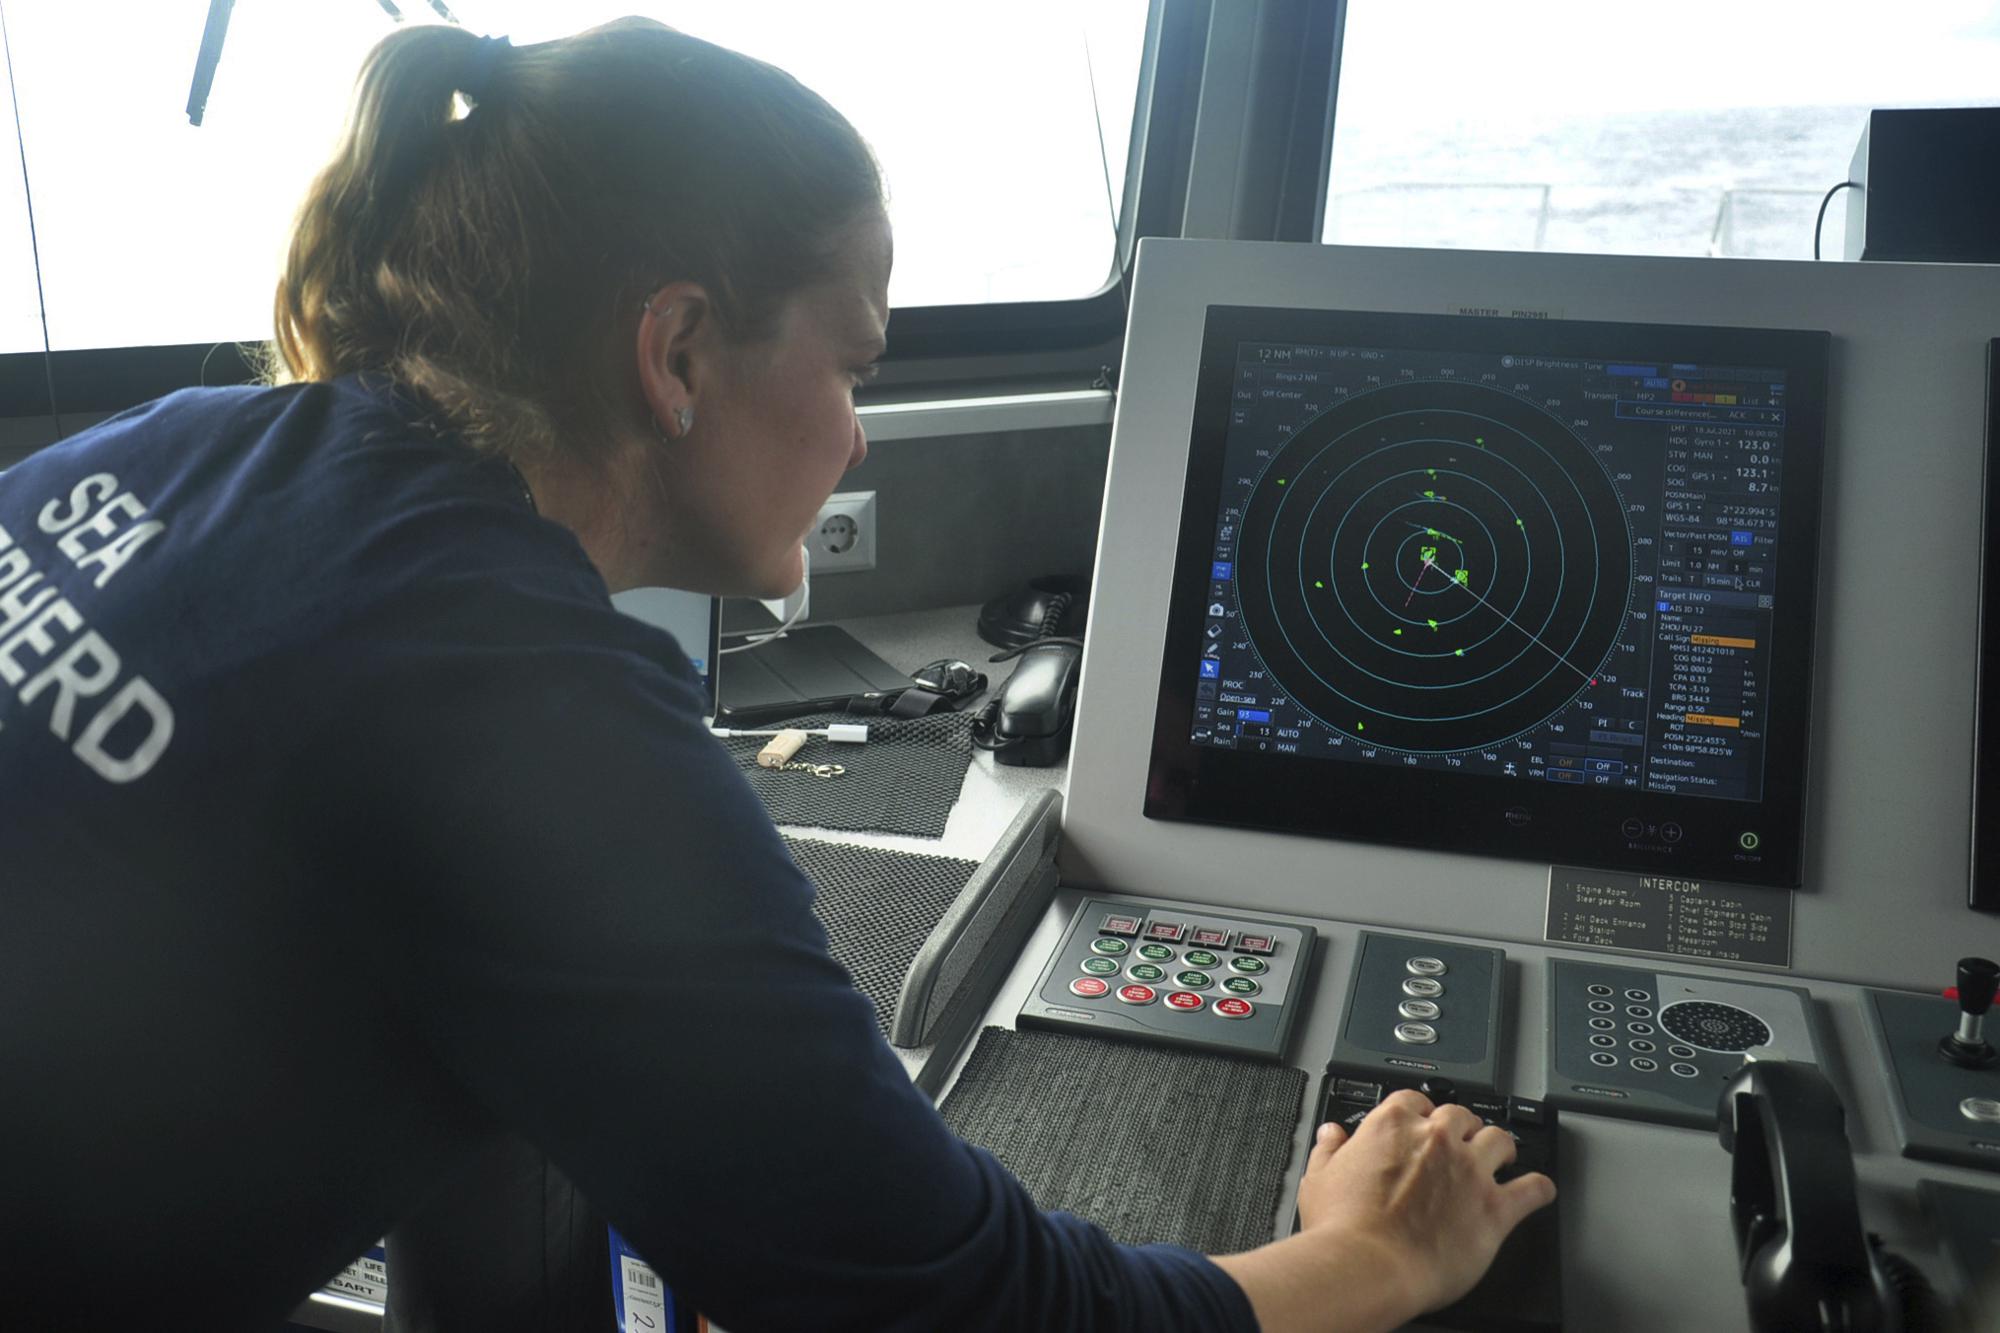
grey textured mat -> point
(904, 780)
(878, 908)
(1149, 1142)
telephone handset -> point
(1807, 1265)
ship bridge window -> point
(1002, 132)
(1709, 127)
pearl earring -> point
(684, 419)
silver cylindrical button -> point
(1416, 1034)
(1986, 1110)
(1425, 967)
(1421, 1010)
(1422, 988)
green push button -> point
(1194, 980)
(1252, 966)
(1099, 967)
(1202, 958)
(1110, 948)
(1146, 972)
(1241, 986)
(1158, 953)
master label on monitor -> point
(1539, 588)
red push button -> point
(1185, 999)
(1248, 943)
(1136, 994)
(1119, 925)
(1234, 1008)
(1089, 987)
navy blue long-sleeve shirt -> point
(344, 823)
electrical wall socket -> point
(844, 538)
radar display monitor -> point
(1526, 588)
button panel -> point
(1658, 1046)
(1423, 1006)
(1159, 971)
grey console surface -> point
(1175, 973)
(1660, 1046)
(1942, 1112)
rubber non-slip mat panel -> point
(904, 780)
(1150, 1142)
(878, 908)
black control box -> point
(1522, 1292)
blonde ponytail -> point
(492, 216)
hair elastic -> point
(479, 68)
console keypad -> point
(1661, 1046)
(1174, 973)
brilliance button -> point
(1202, 958)
(1090, 988)
(1241, 986)
(1187, 1000)
(1234, 1008)
(1194, 980)
(1147, 972)
(1136, 994)
(1158, 953)
(1108, 946)
(1253, 966)
(1099, 967)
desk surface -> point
(993, 792)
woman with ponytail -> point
(346, 831)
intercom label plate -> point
(1658, 914)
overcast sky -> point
(1444, 59)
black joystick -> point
(1968, 1047)
(1441, 1091)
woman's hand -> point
(1400, 1218)
(1418, 1180)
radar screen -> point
(1534, 588)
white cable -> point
(759, 640)
(841, 733)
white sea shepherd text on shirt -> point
(47, 649)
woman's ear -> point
(674, 351)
